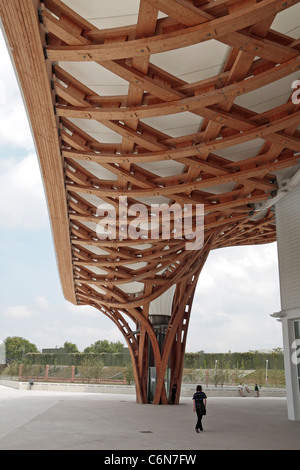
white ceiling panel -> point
(288, 20)
(241, 151)
(193, 59)
(163, 169)
(176, 125)
(97, 271)
(94, 75)
(98, 171)
(131, 287)
(97, 9)
(269, 96)
(96, 250)
(97, 130)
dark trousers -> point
(199, 416)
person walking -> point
(256, 390)
(199, 406)
(174, 391)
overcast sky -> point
(238, 288)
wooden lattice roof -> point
(186, 101)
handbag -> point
(202, 409)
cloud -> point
(90, 334)
(83, 310)
(22, 198)
(14, 126)
(2, 92)
(19, 312)
(237, 291)
(42, 302)
(222, 331)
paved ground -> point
(81, 421)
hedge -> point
(76, 359)
(238, 360)
(247, 360)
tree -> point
(17, 348)
(104, 346)
(129, 375)
(70, 348)
(91, 369)
(276, 354)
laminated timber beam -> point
(186, 104)
(210, 29)
(51, 44)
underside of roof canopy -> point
(156, 102)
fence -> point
(76, 359)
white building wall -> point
(288, 240)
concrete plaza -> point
(43, 420)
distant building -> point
(54, 351)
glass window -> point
(297, 329)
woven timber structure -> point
(124, 277)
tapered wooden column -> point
(175, 340)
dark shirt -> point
(199, 397)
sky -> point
(237, 291)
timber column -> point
(288, 238)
